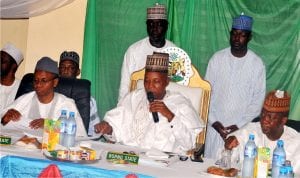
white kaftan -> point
(133, 124)
(238, 92)
(135, 59)
(8, 94)
(30, 108)
(290, 137)
(94, 117)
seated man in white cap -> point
(165, 121)
(30, 109)
(69, 68)
(238, 80)
(271, 128)
(11, 58)
(136, 54)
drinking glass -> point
(224, 160)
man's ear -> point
(78, 72)
(14, 68)
(168, 81)
(56, 82)
(284, 120)
(250, 37)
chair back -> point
(77, 89)
(197, 91)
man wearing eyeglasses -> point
(269, 130)
(30, 110)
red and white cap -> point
(159, 11)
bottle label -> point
(278, 160)
(71, 129)
(62, 127)
(250, 152)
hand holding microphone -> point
(159, 106)
(150, 98)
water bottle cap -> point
(280, 143)
(282, 170)
(63, 112)
(72, 114)
(251, 137)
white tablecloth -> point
(179, 168)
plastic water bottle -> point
(278, 159)
(63, 121)
(69, 140)
(282, 172)
(250, 153)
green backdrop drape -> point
(200, 27)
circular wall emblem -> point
(180, 66)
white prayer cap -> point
(14, 52)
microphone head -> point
(150, 96)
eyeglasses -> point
(42, 81)
(270, 117)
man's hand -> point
(103, 127)
(10, 115)
(231, 142)
(159, 106)
(37, 124)
(231, 129)
(218, 126)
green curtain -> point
(200, 27)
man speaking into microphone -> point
(153, 117)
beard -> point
(265, 130)
(238, 46)
(157, 37)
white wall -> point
(15, 32)
(46, 35)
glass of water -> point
(224, 160)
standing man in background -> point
(11, 58)
(69, 68)
(136, 54)
(238, 79)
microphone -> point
(150, 98)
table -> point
(177, 169)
